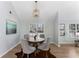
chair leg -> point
(46, 54)
(27, 55)
(35, 53)
(22, 55)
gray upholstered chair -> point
(26, 36)
(27, 49)
(44, 46)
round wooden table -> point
(36, 42)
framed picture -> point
(77, 27)
(72, 35)
(62, 29)
(62, 33)
(72, 30)
(72, 26)
(62, 26)
(40, 28)
(32, 28)
(11, 27)
(36, 28)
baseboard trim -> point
(67, 43)
(51, 42)
(10, 49)
(58, 45)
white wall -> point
(7, 41)
(68, 14)
(56, 28)
(47, 15)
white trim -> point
(51, 42)
(10, 49)
(58, 45)
(66, 42)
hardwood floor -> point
(65, 51)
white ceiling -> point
(47, 9)
(24, 9)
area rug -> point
(41, 54)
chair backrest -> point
(24, 45)
(26, 36)
(42, 36)
(47, 40)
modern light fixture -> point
(36, 11)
